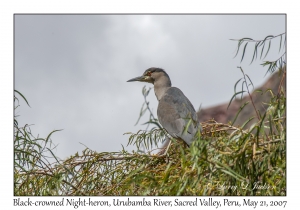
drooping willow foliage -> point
(225, 159)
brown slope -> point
(221, 114)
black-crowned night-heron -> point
(175, 112)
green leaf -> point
(250, 80)
(240, 109)
(22, 97)
(240, 92)
(244, 51)
(268, 49)
(280, 43)
(244, 82)
(236, 85)
(261, 53)
(255, 52)
(245, 123)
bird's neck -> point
(160, 88)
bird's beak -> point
(140, 79)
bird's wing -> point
(174, 112)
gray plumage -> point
(175, 112)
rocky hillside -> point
(221, 114)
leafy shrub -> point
(224, 159)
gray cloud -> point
(73, 68)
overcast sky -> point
(73, 69)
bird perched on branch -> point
(175, 112)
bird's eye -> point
(148, 73)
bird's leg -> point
(165, 147)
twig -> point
(252, 40)
(258, 117)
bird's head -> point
(152, 75)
